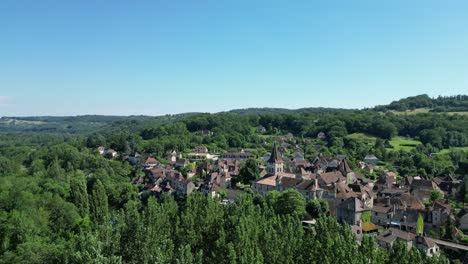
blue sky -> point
(164, 57)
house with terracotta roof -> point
(151, 162)
(156, 173)
(300, 163)
(264, 185)
(343, 192)
(330, 178)
(364, 192)
(387, 181)
(309, 189)
(285, 183)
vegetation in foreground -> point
(61, 202)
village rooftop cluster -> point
(388, 208)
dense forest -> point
(457, 103)
(66, 204)
(62, 202)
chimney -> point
(278, 180)
(419, 239)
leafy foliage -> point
(62, 202)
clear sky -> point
(164, 57)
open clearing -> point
(361, 137)
(403, 143)
(423, 111)
(447, 151)
(457, 113)
(412, 112)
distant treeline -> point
(267, 110)
(456, 103)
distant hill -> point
(81, 124)
(456, 103)
(86, 124)
(268, 110)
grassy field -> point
(362, 138)
(403, 143)
(412, 112)
(447, 151)
(21, 122)
(457, 113)
(424, 110)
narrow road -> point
(450, 244)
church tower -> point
(275, 163)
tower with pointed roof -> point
(275, 162)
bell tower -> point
(275, 163)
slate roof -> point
(423, 184)
(381, 209)
(289, 182)
(275, 155)
(353, 204)
(391, 234)
(426, 241)
(344, 167)
(305, 185)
